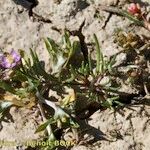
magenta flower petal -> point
(15, 55)
(14, 64)
(4, 62)
(9, 60)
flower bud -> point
(134, 9)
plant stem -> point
(49, 129)
(121, 12)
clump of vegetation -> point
(25, 83)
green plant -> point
(27, 82)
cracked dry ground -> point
(127, 129)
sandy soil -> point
(128, 129)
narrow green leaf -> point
(90, 63)
(48, 46)
(53, 46)
(111, 63)
(67, 41)
(99, 57)
(132, 18)
(44, 125)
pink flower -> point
(134, 9)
